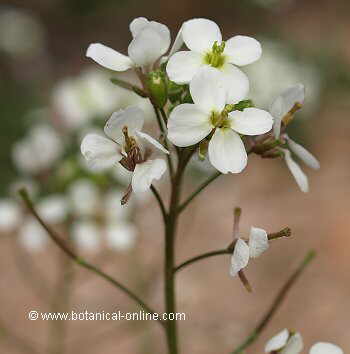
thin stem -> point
(160, 202)
(80, 261)
(276, 304)
(198, 190)
(286, 232)
(164, 116)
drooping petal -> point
(227, 152)
(284, 103)
(208, 90)
(148, 46)
(277, 342)
(240, 257)
(182, 66)
(296, 171)
(152, 141)
(200, 34)
(258, 242)
(242, 50)
(303, 154)
(145, 173)
(131, 117)
(236, 83)
(100, 152)
(325, 348)
(108, 57)
(188, 125)
(294, 345)
(251, 121)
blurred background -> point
(51, 95)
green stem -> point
(160, 203)
(198, 190)
(78, 260)
(276, 304)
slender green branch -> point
(198, 190)
(286, 232)
(276, 304)
(164, 116)
(70, 253)
(160, 202)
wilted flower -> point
(285, 342)
(150, 41)
(258, 243)
(210, 116)
(123, 145)
(203, 38)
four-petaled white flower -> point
(123, 145)
(258, 243)
(203, 38)
(285, 342)
(150, 41)
(210, 116)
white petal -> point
(227, 152)
(296, 171)
(10, 215)
(187, 125)
(240, 257)
(182, 66)
(132, 117)
(303, 154)
(153, 141)
(145, 173)
(148, 46)
(100, 152)
(258, 242)
(121, 236)
(325, 348)
(137, 25)
(277, 342)
(53, 209)
(236, 83)
(108, 57)
(208, 90)
(200, 34)
(251, 121)
(178, 43)
(284, 103)
(242, 50)
(294, 345)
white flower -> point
(190, 123)
(325, 348)
(10, 215)
(53, 209)
(86, 235)
(123, 145)
(121, 235)
(39, 150)
(32, 236)
(150, 41)
(284, 103)
(203, 38)
(258, 243)
(285, 343)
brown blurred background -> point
(305, 40)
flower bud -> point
(156, 84)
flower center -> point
(215, 57)
(220, 120)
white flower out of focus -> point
(124, 145)
(285, 342)
(190, 123)
(10, 215)
(53, 209)
(258, 243)
(121, 236)
(325, 348)
(29, 155)
(86, 235)
(151, 40)
(203, 38)
(32, 236)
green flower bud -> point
(157, 87)
(240, 106)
